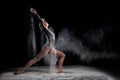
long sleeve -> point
(37, 16)
(39, 19)
(42, 28)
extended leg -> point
(43, 52)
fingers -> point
(32, 10)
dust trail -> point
(67, 42)
(31, 45)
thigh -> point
(44, 51)
(59, 53)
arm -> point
(36, 14)
(41, 20)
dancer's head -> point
(45, 23)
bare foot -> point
(19, 71)
(59, 71)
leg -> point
(43, 52)
(61, 60)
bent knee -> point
(63, 55)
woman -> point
(47, 48)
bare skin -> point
(45, 50)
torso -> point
(51, 38)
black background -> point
(83, 16)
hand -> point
(33, 10)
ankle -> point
(59, 69)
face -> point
(45, 24)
